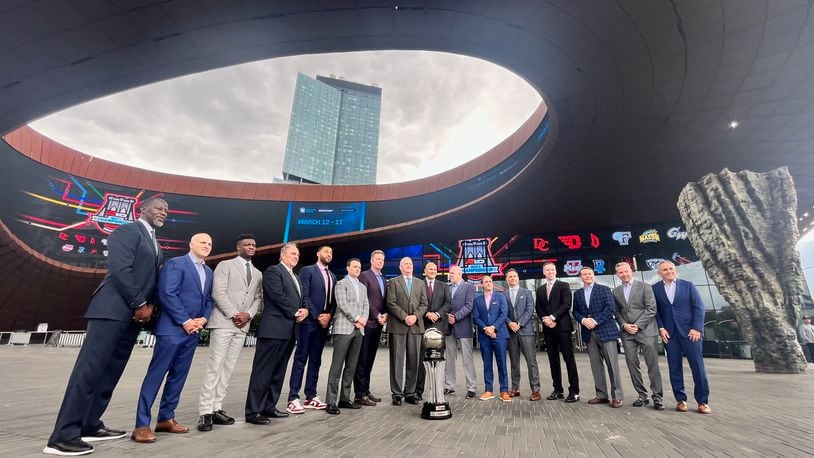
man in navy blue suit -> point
(594, 309)
(122, 302)
(680, 316)
(489, 312)
(184, 288)
(317, 293)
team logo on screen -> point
(114, 211)
(649, 236)
(541, 245)
(653, 263)
(675, 232)
(572, 266)
(599, 266)
(623, 237)
(475, 257)
(573, 242)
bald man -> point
(184, 287)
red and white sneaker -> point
(314, 403)
(295, 407)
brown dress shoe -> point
(703, 408)
(171, 426)
(365, 401)
(513, 393)
(616, 403)
(681, 406)
(143, 435)
(535, 396)
(598, 401)
(374, 398)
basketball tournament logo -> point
(114, 211)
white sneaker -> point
(295, 407)
(314, 403)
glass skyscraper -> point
(333, 137)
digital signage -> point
(307, 220)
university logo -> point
(623, 237)
(114, 211)
(675, 232)
(653, 263)
(573, 242)
(599, 266)
(594, 240)
(572, 266)
(541, 245)
(649, 236)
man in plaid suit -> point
(594, 310)
(350, 318)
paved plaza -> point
(753, 415)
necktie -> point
(381, 284)
(430, 298)
(409, 285)
(155, 243)
(328, 289)
(248, 273)
(548, 290)
(513, 296)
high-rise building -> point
(333, 137)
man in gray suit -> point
(237, 292)
(350, 318)
(521, 335)
(636, 314)
(459, 333)
(407, 304)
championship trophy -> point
(435, 408)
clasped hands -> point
(433, 316)
(514, 326)
(490, 331)
(630, 328)
(324, 319)
(548, 322)
(194, 325)
(589, 323)
(410, 320)
(302, 313)
(143, 313)
(360, 322)
(241, 319)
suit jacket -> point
(440, 303)
(461, 307)
(639, 309)
(685, 313)
(601, 309)
(522, 311)
(182, 299)
(132, 275)
(313, 293)
(281, 300)
(232, 294)
(376, 300)
(495, 316)
(348, 307)
(400, 304)
(559, 305)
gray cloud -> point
(438, 111)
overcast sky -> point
(438, 111)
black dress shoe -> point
(572, 397)
(374, 398)
(396, 400)
(658, 405)
(75, 447)
(349, 405)
(258, 420)
(641, 402)
(555, 395)
(365, 401)
(205, 422)
(276, 414)
(448, 392)
(104, 433)
(470, 395)
(220, 418)
(412, 400)
(332, 409)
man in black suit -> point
(283, 307)
(122, 302)
(553, 306)
(440, 303)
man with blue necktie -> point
(594, 308)
(489, 312)
(376, 286)
(680, 316)
(184, 289)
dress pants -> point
(345, 355)
(496, 347)
(367, 356)
(97, 370)
(224, 348)
(404, 349)
(601, 354)
(528, 346)
(675, 347)
(559, 342)
(451, 354)
(172, 358)
(310, 343)
(649, 348)
(268, 372)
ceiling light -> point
(805, 215)
(733, 124)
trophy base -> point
(432, 411)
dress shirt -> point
(487, 298)
(199, 266)
(587, 289)
(294, 278)
(626, 287)
(670, 290)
